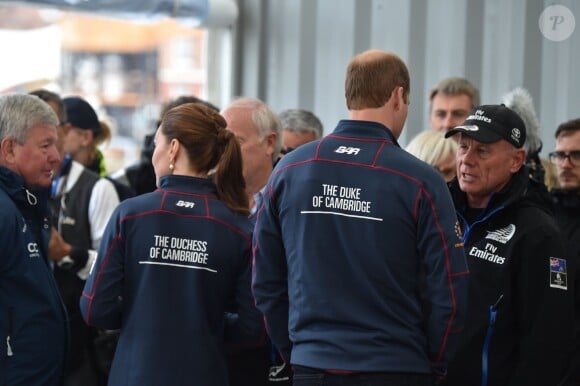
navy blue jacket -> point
(352, 233)
(168, 265)
(33, 324)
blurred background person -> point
(84, 133)
(566, 158)
(259, 132)
(81, 204)
(140, 177)
(171, 261)
(450, 101)
(431, 146)
(520, 101)
(298, 127)
(33, 321)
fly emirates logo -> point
(487, 254)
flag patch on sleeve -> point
(558, 273)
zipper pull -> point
(8, 348)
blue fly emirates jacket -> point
(168, 265)
(357, 262)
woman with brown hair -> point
(171, 260)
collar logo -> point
(502, 235)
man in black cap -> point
(520, 313)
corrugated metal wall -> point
(293, 53)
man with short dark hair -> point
(519, 322)
(355, 236)
(450, 101)
(33, 322)
(566, 158)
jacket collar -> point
(187, 184)
(33, 199)
(365, 129)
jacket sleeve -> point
(270, 278)
(102, 296)
(544, 297)
(440, 246)
(246, 326)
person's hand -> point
(57, 247)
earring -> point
(171, 166)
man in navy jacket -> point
(33, 323)
(358, 265)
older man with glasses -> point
(566, 158)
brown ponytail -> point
(229, 179)
(202, 131)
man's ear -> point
(271, 142)
(518, 159)
(7, 150)
(399, 97)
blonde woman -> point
(430, 146)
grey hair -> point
(265, 120)
(19, 113)
(301, 121)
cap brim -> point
(479, 133)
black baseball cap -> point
(491, 123)
(80, 114)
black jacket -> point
(514, 249)
(567, 214)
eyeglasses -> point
(558, 157)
